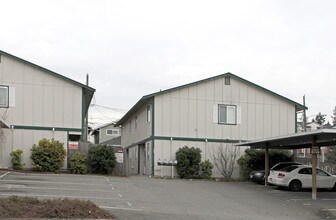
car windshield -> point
(290, 168)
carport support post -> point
(266, 163)
(314, 165)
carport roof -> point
(323, 137)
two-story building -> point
(206, 114)
(37, 103)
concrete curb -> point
(3, 175)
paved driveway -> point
(141, 197)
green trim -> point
(40, 128)
(152, 137)
(139, 159)
(139, 142)
(83, 136)
(197, 139)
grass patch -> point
(26, 207)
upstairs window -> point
(4, 96)
(227, 114)
(112, 132)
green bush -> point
(17, 159)
(206, 167)
(48, 155)
(254, 159)
(101, 159)
(188, 162)
(78, 163)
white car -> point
(296, 177)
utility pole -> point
(87, 114)
(304, 124)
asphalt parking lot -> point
(141, 197)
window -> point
(227, 114)
(130, 126)
(112, 132)
(227, 80)
(135, 122)
(4, 96)
(148, 114)
(307, 171)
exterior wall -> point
(191, 112)
(166, 149)
(131, 133)
(24, 140)
(46, 106)
(105, 137)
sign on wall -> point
(73, 145)
(120, 155)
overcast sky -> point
(134, 48)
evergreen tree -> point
(334, 117)
(320, 118)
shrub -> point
(17, 159)
(254, 159)
(48, 155)
(78, 163)
(101, 159)
(188, 162)
(206, 167)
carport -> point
(313, 140)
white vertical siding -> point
(262, 114)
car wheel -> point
(295, 185)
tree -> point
(188, 162)
(320, 118)
(102, 159)
(225, 159)
(334, 117)
(331, 157)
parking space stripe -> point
(48, 182)
(122, 208)
(3, 175)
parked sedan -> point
(296, 177)
(259, 176)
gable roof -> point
(145, 98)
(88, 91)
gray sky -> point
(133, 48)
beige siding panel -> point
(235, 91)
(227, 93)
(251, 121)
(243, 93)
(275, 120)
(244, 121)
(210, 91)
(259, 121)
(158, 115)
(166, 112)
(76, 107)
(291, 119)
(67, 106)
(218, 90)
(184, 93)
(59, 112)
(47, 109)
(259, 97)
(201, 91)
(267, 121)
(283, 120)
(192, 92)
(38, 113)
(192, 106)
(201, 119)
(175, 120)
(209, 125)
(27, 105)
(184, 122)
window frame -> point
(226, 107)
(111, 129)
(7, 94)
(148, 113)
